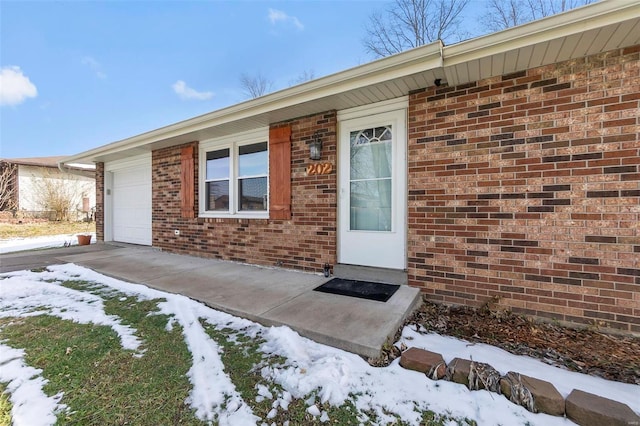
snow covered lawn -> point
(48, 241)
(236, 372)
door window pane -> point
(371, 153)
(371, 160)
(371, 205)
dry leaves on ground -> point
(588, 351)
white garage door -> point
(132, 205)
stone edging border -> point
(537, 396)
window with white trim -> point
(235, 176)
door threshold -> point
(370, 273)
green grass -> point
(5, 407)
(104, 384)
(429, 418)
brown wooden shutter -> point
(280, 173)
(186, 182)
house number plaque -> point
(319, 169)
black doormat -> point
(360, 289)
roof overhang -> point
(35, 161)
(386, 78)
(598, 27)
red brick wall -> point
(99, 202)
(526, 187)
(306, 242)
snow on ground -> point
(30, 404)
(24, 294)
(564, 380)
(21, 244)
(336, 376)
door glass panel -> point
(370, 179)
(371, 205)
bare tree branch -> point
(8, 196)
(412, 23)
(304, 76)
(503, 14)
(59, 193)
(255, 85)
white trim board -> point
(372, 109)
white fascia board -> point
(596, 15)
(420, 59)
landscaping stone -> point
(458, 371)
(475, 375)
(533, 394)
(588, 409)
(484, 376)
(430, 363)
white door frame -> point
(374, 248)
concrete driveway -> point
(266, 295)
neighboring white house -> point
(40, 188)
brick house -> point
(505, 168)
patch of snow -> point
(321, 373)
(264, 391)
(24, 294)
(30, 406)
(565, 381)
(50, 241)
(335, 374)
(314, 410)
(285, 400)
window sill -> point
(242, 215)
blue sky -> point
(99, 72)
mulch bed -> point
(588, 351)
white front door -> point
(372, 190)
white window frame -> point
(233, 143)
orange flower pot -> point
(84, 240)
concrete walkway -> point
(265, 295)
